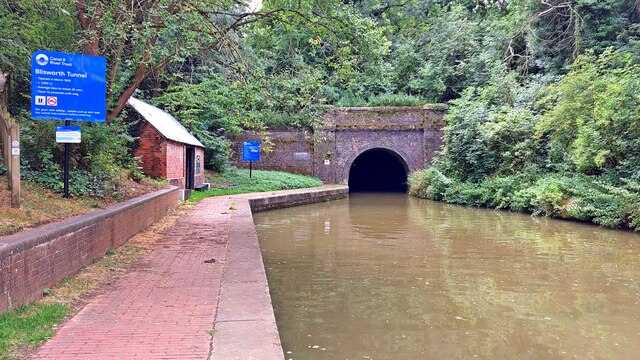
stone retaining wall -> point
(264, 202)
(33, 260)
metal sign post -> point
(67, 135)
(69, 87)
(67, 160)
(251, 153)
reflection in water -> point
(384, 276)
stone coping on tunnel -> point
(434, 106)
(245, 325)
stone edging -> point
(245, 325)
(265, 202)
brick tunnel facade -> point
(412, 135)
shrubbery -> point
(98, 164)
(579, 197)
(567, 150)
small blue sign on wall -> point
(68, 86)
(251, 151)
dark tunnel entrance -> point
(378, 170)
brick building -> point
(167, 149)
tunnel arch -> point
(377, 169)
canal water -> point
(386, 276)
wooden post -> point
(14, 168)
(3, 138)
(10, 133)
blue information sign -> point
(251, 151)
(68, 86)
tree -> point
(26, 26)
(557, 31)
(140, 38)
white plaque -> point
(68, 134)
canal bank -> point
(245, 325)
(201, 293)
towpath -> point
(201, 293)
(166, 306)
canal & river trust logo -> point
(42, 59)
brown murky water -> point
(392, 277)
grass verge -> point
(29, 325)
(236, 181)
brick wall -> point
(176, 155)
(33, 260)
(270, 201)
(414, 133)
(290, 151)
(199, 167)
(152, 152)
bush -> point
(396, 100)
(97, 163)
(350, 100)
(572, 196)
(428, 184)
(501, 190)
(592, 114)
(466, 193)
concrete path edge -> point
(245, 325)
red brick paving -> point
(165, 307)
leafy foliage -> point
(26, 26)
(538, 90)
(593, 114)
(395, 100)
(572, 153)
(579, 197)
(98, 163)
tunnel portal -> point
(378, 170)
